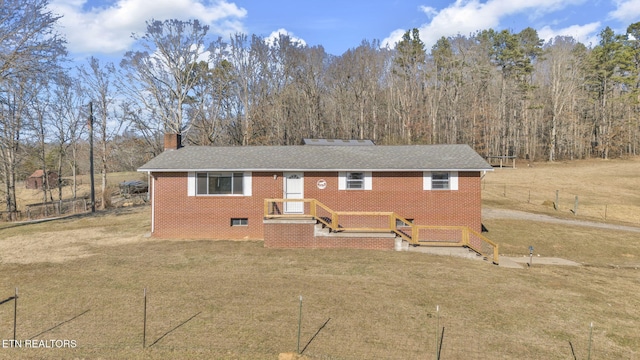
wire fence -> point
(104, 329)
(56, 208)
(69, 207)
(563, 202)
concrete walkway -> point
(511, 262)
(523, 261)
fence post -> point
(575, 206)
(299, 324)
(15, 313)
(144, 324)
(437, 328)
(555, 204)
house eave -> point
(182, 170)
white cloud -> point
(586, 34)
(430, 11)
(273, 37)
(468, 16)
(627, 11)
(107, 29)
(393, 38)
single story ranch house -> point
(274, 193)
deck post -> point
(465, 236)
(392, 222)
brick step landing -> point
(307, 233)
(320, 230)
(401, 245)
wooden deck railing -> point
(380, 221)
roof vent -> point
(337, 142)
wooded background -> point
(503, 93)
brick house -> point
(219, 192)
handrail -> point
(496, 255)
(332, 222)
(393, 221)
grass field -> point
(82, 279)
(607, 190)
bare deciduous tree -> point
(68, 125)
(29, 48)
(162, 76)
(99, 81)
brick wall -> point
(402, 193)
(209, 217)
(287, 235)
(302, 236)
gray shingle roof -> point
(337, 142)
(318, 158)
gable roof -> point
(40, 173)
(318, 158)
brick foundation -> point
(301, 234)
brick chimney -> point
(172, 141)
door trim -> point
(293, 207)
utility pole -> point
(93, 189)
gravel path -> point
(491, 213)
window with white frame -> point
(220, 183)
(354, 180)
(440, 180)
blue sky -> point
(103, 27)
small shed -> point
(36, 180)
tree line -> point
(503, 93)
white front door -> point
(293, 189)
